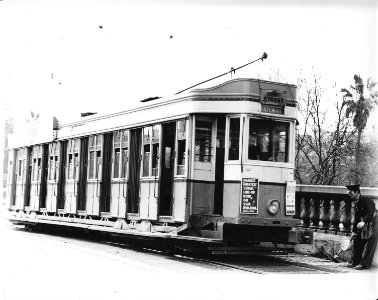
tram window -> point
(70, 166)
(76, 166)
(155, 159)
(151, 136)
(91, 164)
(51, 175)
(234, 139)
(124, 153)
(181, 147)
(146, 160)
(202, 149)
(39, 169)
(20, 168)
(10, 171)
(125, 158)
(155, 149)
(146, 151)
(116, 154)
(35, 169)
(268, 140)
(116, 163)
(98, 164)
(56, 168)
(95, 144)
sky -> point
(66, 57)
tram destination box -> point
(249, 196)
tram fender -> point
(300, 236)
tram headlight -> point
(273, 206)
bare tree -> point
(324, 137)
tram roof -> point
(242, 95)
(235, 89)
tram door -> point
(204, 165)
(167, 168)
(72, 176)
(52, 182)
(11, 179)
(39, 177)
(22, 177)
(94, 175)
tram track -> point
(268, 263)
(263, 263)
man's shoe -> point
(350, 265)
(360, 267)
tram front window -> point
(268, 140)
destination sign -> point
(290, 198)
(272, 109)
(249, 196)
(272, 98)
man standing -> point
(365, 214)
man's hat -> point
(353, 187)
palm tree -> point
(359, 105)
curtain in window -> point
(83, 173)
(62, 175)
(106, 173)
(134, 171)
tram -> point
(212, 164)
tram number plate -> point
(249, 196)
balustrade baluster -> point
(315, 213)
(305, 212)
(325, 216)
(346, 216)
(335, 215)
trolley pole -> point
(263, 56)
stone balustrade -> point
(328, 209)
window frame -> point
(73, 149)
(212, 139)
(96, 148)
(121, 148)
(53, 165)
(152, 154)
(227, 138)
(186, 124)
(288, 146)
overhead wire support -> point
(264, 56)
